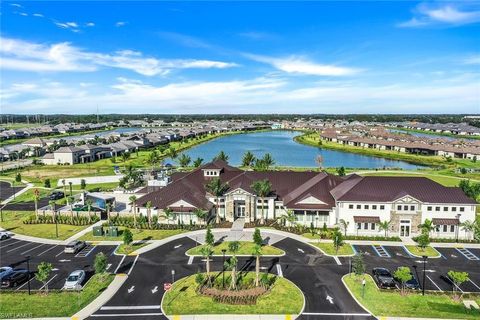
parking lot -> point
(13, 253)
(392, 257)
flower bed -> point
(238, 297)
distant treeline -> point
(63, 118)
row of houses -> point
(450, 128)
(378, 138)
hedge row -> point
(61, 219)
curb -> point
(438, 256)
(354, 298)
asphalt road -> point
(13, 253)
(6, 190)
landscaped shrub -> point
(142, 223)
(450, 240)
(61, 219)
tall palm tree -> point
(216, 188)
(221, 156)
(384, 225)
(52, 207)
(233, 247)
(125, 157)
(268, 160)
(262, 189)
(36, 196)
(248, 159)
(148, 205)
(133, 199)
(172, 152)
(201, 214)
(168, 214)
(257, 252)
(184, 160)
(344, 225)
(197, 162)
(153, 158)
(468, 226)
(427, 226)
(89, 203)
(70, 200)
(207, 252)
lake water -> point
(286, 152)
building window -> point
(454, 209)
(359, 226)
(350, 206)
(437, 208)
(412, 208)
(359, 206)
(452, 228)
(365, 225)
(399, 208)
(366, 206)
(405, 208)
(444, 228)
(372, 227)
(374, 207)
(462, 209)
(429, 208)
(445, 208)
(382, 207)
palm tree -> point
(262, 189)
(201, 214)
(148, 205)
(89, 203)
(70, 186)
(184, 160)
(233, 247)
(197, 162)
(168, 214)
(268, 160)
(384, 225)
(427, 226)
(70, 200)
(125, 157)
(35, 199)
(52, 207)
(344, 225)
(64, 189)
(216, 188)
(469, 227)
(153, 158)
(248, 159)
(207, 252)
(221, 156)
(133, 200)
(257, 252)
(172, 152)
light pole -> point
(424, 263)
(363, 287)
(223, 268)
(28, 270)
(457, 227)
(173, 276)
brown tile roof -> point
(445, 221)
(366, 219)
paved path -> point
(13, 196)
(90, 180)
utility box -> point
(113, 231)
(97, 231)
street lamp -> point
(223, 268)
(173, 276)
(457, 228)
(424, 263)
(363, 287)
(28, 270)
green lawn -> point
(128, 249)
(55, 304)
(284, 298)
(246, 248)
(428, 251)
(13, 221)
(329, 248)
(391, 303)
(140, 234)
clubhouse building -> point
(318, 199)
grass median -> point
(129, 248)
(328, 247)
(283, 298)
(427, 251)
(56, 304)
(414, 305)
(138, 234)
(13, 222)
(246, 248)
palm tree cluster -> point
(262, 189)
(133, 178)
(216, 188)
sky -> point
(239, 57)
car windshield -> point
(3, 269)
(384, 273)
(72, 278)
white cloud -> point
(90, 24)
(16, 5)
(120, 23)
(27, 56)
(300, 65)
(475, 59)
(23, 14)
(39, 15)
(426, 14)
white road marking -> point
(48, 250)
(336, 314)
(177, 246)
(9, 239)
(300, 250)
(23, 245)
(129, 307)
(330, 299)
(190, 260)
(118, 267)
(337, 260)
(131, 289)
(458, 288)
(133, 265)
(59, 253)
(476, 286)
(108, 266)
(64, 260)
(47, 282)
(32, 249)
(279, 271)
(434, 283)
(127, 314)
(154, 290)
(25, 284)
(10, 244)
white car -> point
(74, 246)
(5, 271)
(74, 280)
(4, 235)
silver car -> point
(74, 280)
(4, 235)
(5, 271)
(74, 246)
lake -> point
(286, 152)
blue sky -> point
(240, 57)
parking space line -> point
(48, 250)
(476, 286)
(190, 260)
(23, 245)
(32, 249)
(46, 283)
(336, 314)
(436, 285)
(279, 270)
(133, 265)
(24, 283)
(121, 261)
(59, 253)
(9, 239)
(337, 260)
(127, 314)
(467, 254)
(380, 251)
(355, 252)
(85, 251)
(10, 244)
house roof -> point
(68, 149)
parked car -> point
(15, 278)
(55, 195)
(383, 278)
(4, 271)
(74, 280)
(4, 235)
(412, 283)
(75, 246)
